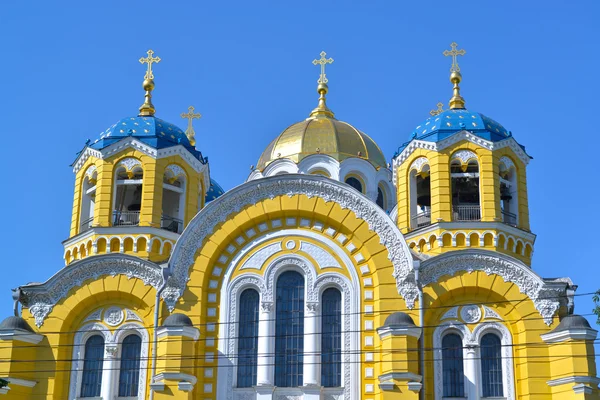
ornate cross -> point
(440, 109)
(454, 53)
(190, 115)
(323, 61)
(149, 60)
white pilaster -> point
(471, 372)
(109, 371)
(266, 346)
(312, 359)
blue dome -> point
(447, 123)
(214, 191)
(150, 130)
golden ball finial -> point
(148, 85)
(455, 77)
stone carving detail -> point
(110, 351)
(266, 306)
(322, 257)
(508, 163)
(131, 316)
(113, 316)
(309, 275)
(488, 313)
(41, 298)
(129, 163)
(546, 300)
(451, 314)
(176, 170)
(471, 314)
(90, 172)
(95, 316)
(464, 156)
(418, 164)
(312, 307)
(254, 191)
(257, 260)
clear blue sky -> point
(69, 70)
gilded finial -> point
(440, 109)
(147, 109)
(190, 116)
(322, 87)
(455, 77)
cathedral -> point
(331, 273)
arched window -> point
(173, 199)
(464, 171)
(355, 183)
(452, 366)
(91, 381)
(289, 330)
(88, 199)
(128, 192)
(248, 338)
(129, 375)
(491, 366)
(509, 198)
(380, 198)
(331, 338)
(420, 193)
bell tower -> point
(462, 182)
(137, 185)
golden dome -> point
(322, 135)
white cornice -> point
(121, 230)
(455, 138)
(570, 334)
(187, 331)
(175, 376)
(386, 331)
(20, 335)
(574, 379)
(133, 143)
(21, 382)
(470, 226)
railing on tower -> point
(87, 224)
(509, 218)
(466, 213)
(126, 218)
(421, 219)
(171, 224)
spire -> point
(147, 109)
(190, 116)
(322, 88)
(455, 77)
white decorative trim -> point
(187, 331)
(41, 298)
(508, 163)
(175, 170)
(20, 335)
(418, 164)
(488, 313)
(322, 257)
(464, 156)
(90, 171)
(582, 389)
(386, 331)
(129, 163)
(175, 376)
(547, 298)
(95, 316)
(592, 380)
(219, 211)
(256, 260)
(451, 314)
(21, 382)
(113, 316)
(471, 314)
(132, 316)
(570, 334)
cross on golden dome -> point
(323, 61)
(149, 60)
(454, 53)
(190, 116)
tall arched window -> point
(129, 375)
(91, 381)
(173, 199)
(464, 171)
(509, 198)
(491, 366)
(128, 192)
(420, 193)
(88, 199)
(355, 183)
(289, 330)
(248, 338)
(452, 366)
(331, 338)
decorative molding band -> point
(175, 376)
(569, 334)
(21, 382)
(386, 331)
(574, 379)
(187, 331)
(20, 335)
(546, 297)
(41, 298)
(400, 376)
(218, 211)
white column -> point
(109, 372)
(471, 372)
(266, 342)
(312, 359)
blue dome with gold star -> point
(147, 129)
(213, 192)
(448, 122)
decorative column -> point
(266, 349)
(108, 371)
(471, 372)
(312, 359)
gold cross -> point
(149, 60)
(323, 61)
(440, 109)
(190, 115)
(454, 53)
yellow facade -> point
(401, 287)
